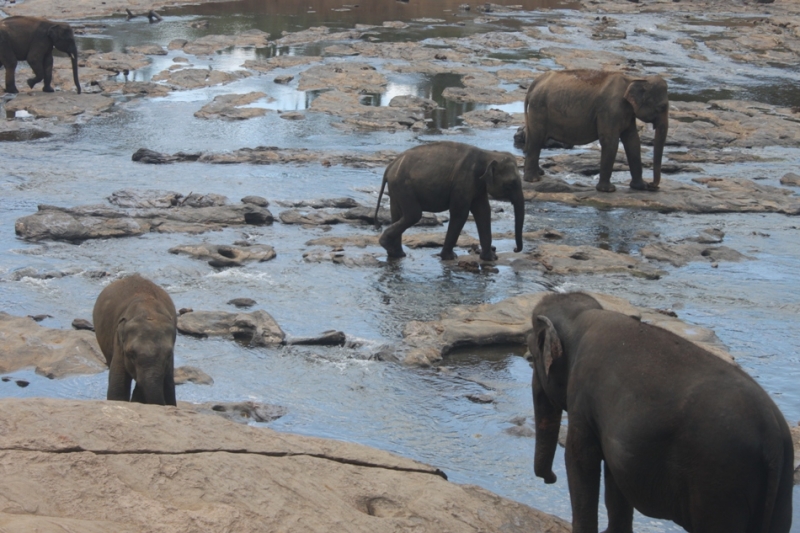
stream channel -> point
(340, 393)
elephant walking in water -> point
(136, 324)
(32, 39)
(581, 106)
(680, 433)
(446, 175)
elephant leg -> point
(169, 388)
(11, 66)
(410, 213)
(633, 152)
(38, 68)
(119, 381)
(534, 140)
(583, 457)
(458, 217)
(482, 213)
(608, 154)
(620, 511)
(48, 73)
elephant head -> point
(555, 313)
(650, 102)
(503, 182)
(146, 346)
(62, 38)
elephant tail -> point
(777, 517)
(380, 195)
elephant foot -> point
(12, 90)
(393, 250)
(652, 187)
(48, 90)
(447, 256)
(638, 185)
(31, 82)
(606, 187)
(491, 256)
(531, 178)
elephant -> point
(581, 106)
(135, 324)
(445, 175)
(32, 39)
(682, 434)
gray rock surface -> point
(224, 255)
(230, 107)
(252, 329)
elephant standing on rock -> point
(683, 435)
(581, 106)
(446, 175)
(32, 39)
(136, 323)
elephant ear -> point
(488, 174)
(548, 343)
(635, 93)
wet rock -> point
(341, 258)
(337, 203)
(411, 101)
(343, 76)
(211, 44)
(709, 195)
(54, 353)
(251, 329)
(482, 95)
(82, 324)
(134, 88)
(242, 302)
(326, 338)
(681, 254)
(39, 318)
(241, 412)
(314, 35)
(791, 179)
(260, 201)
(356, 116)
(223, 255)
(276, 62)
(270, 155)
(310, 218)
(129, 198)
(144, 155)
(191, 374)
(417, 55)
(410, 240)
(146, 49)
(283, 79)
(195, 78)
(78, 224)
(63, 106)
(229, 107)
(481, 398)
(117, 61)
(491, 118)
(709, 236)
(575, 58)
(509, 321)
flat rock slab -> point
(349, 76)
(191, 374)
(133, 88)
(357, 116)
(252, 329)
(224, 255)
(271, 155)
(195, 78)
(681, 254)
(54, 353)
(117, 61)
(63, 106)
(230, 107)
(509, 321)
(709, 195)
(316, 34)
(280, 62)
(181, 471)
(211, 44)
(78, 224)
(241, 412)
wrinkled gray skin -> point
(443, 176)
(135, 323)
(581, 106)
(32, 39)
(682, 434)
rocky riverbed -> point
(233, 153)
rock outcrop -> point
(101, 466)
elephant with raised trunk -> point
(581, 106)
(680, 433)
(32, 39)
(136, 324)
(452, 176)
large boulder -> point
(98, 466)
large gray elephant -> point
(681, 434)
(32, 39)
(581, 106)
(446, 175)
(136, 323)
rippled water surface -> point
(338, 392)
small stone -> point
(82, 323)
(22, 383)
(39, 318)
(185, 310)
(791, 179)
(284, 79)
(255, 200)
(480, 398)
(242, 302)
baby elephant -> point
(682, 434)
(446, 175)
(581, 106)
(135, 323)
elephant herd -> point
(680, 434)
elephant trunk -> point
(548, 423)
(661, 126)
(154, 390)
(73, 54)
(518, 200)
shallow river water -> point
(338, 392)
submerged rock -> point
(251, 329)
(326, 338)
(680, 254)
(230, 107)
(190, 374)
(195, 78)
(223, 255)
(63, 106)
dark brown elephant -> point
(581, 106)
(32, 39)
(681, 434)
(452, 176)
(136, 323)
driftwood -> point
(151, 15)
